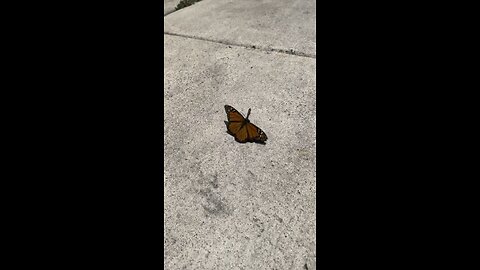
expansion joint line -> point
(290, 52)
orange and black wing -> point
(233, 115)
(236, 122)
(241, 128)
(241, 135)
(255, 134)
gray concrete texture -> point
(229, 205)
(268, 24)
(169, 6)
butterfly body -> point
(241, 128)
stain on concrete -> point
(214, 182)
(279, 219)
(214, 204)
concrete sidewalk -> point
(169, 6)
(230, 205)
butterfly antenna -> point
(248, 114)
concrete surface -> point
(169, 6)
(269, 24)
(230, 205)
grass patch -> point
(186, 3)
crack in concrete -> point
(255, 47)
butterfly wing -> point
(233, 115)
(235, 120)
(242, 129)
(255, 134)
(242, 135)
(234, 127)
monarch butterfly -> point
(241, 128)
